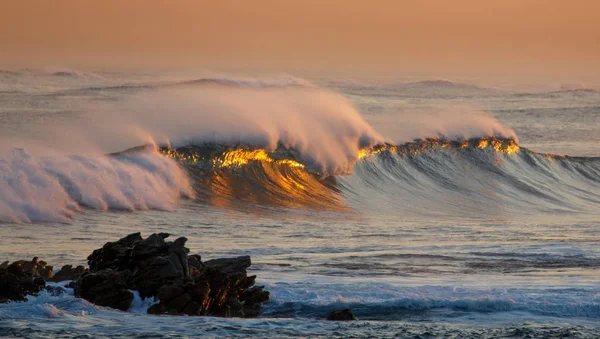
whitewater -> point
(429, 207)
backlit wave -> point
(423, 177)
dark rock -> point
(67, 272)
(162, 269)
(113, 255)
(105, 288)
(178, 255)
(34, 268)
(196, 266)
(22, 278)
(156, 309)
(236, 307)
(169, 292)
(343, 315)
(153, 245)
(255, 295)
(233, 268)
(177, 305)
(192, 308)
(10, 287)
(200, 292)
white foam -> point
(140, 305)
(52, 188)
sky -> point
(554, 39)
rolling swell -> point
(479, 177)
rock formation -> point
(162, 269)
(180, 283)
(67, 272)
(23, 277)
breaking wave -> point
(250, 143)
(54, 188)
(478, 177)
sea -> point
(430, 207)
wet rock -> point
(10, 287)
(114, 255)
(67, 272)
(22, 278)
(34, 268)
(181, 283)
(105, 288)
(343, 315)
(255, 295)
(195, 266)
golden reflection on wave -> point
(269, 184)
(238, 157)
(506, 146)
(244, 177)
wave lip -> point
(428, 174)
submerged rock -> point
(343, 315)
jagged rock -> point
(22, 278)
(343, 315)
(67, 272)
(156, 268)
(195, 266)
(10, 287)
(35, 268)
(105, 288)
(255, 295)
(113, 255)
(236, 307)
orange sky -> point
(554, 38)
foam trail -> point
(52, 188)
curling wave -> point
(476, 177)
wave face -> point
(479, 177)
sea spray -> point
(52, 188)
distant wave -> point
(226, 82)
(56, 72)
(425, 88)
(250, 82)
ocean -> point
(430, 208)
